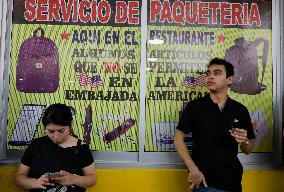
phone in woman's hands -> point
(53, 175)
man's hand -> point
(196, 178)
(240, 135)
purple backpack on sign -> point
(37, 69)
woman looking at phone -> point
(59, 161)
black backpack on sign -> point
(243, 56)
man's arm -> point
(183, 151)
(195, 176)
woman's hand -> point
(86, 180)
(65, 178)
(41, 182)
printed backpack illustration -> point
(243, 55)
(37, 70)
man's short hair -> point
(228, 66)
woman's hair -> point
(58, 114)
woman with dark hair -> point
(59, 161)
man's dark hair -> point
(228, 66)
(58, 114)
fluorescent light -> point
(152, 59)
(156, 41)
